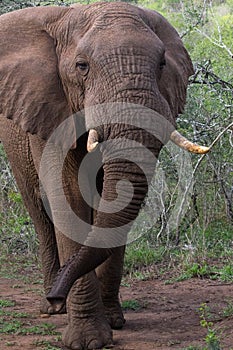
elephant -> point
(100, 66)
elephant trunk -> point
(87, 259)
(124, 189)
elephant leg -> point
(109, 275)
(18, 149)
(87, 326)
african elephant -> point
(58, 61)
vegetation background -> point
(202, 242)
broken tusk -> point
(92, 141)
(182, 142)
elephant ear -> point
(174, 78)
(31, 92)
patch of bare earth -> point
(168, 318)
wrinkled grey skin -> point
(56, 61)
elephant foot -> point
(88, 333)
(47, 309)
(114, 314)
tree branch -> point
(208, 75)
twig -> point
(219, 43)
(212, 145)
(199, 20)
(208, 74)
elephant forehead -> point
(111, 10)
(127, 20)
(120, 38)
(104, 26)
(124, 17)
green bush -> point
(16, 229)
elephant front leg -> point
(87, 327)
(109, 275)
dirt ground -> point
(168, 317)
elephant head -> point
(58, 61)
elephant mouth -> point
(178, 139)
(160, 124)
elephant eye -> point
(162, 64)
(83, 67)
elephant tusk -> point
(92, 141)
(182, 142)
